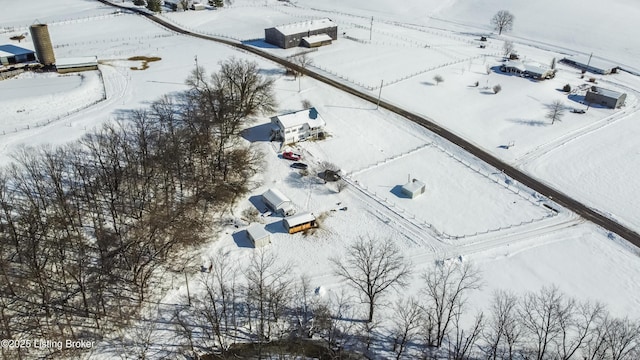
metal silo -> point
(42, 43)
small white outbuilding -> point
(278, 202)
(258, 235)
(414, 188)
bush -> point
(497, 88)
(566, 88)
(139, 2)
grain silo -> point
(42, 43)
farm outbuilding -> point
(591, 64)
(300, 222)
(297, 126)
(278, 202)
(258, 235)
(291, 35)
(67, 65)
(414, 188)
(609, 98)
(11, 54)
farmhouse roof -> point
(299, 219)
(297, 118)
(605, 92)
(12, 50)
(310, 25)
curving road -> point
(557, 196)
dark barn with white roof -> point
(291, 35)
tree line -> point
(264, 311)
(89, 228)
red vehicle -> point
(290, 155)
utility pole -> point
(371, 28)
(379, 94)
(187, 283)
(589, 62)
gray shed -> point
(609, 98)
(414, 188)
(258, 235)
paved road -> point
(559, 197)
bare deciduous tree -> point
(502, 21)
(556, 111)
(446, 287)
(372, 267)
(464, 343)
(303, 61)
(438, 79)
(406, 324)
(507, 48)
(541, 315)
(502, 332)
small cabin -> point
(258, 235)
(300, 222)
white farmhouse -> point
(297, 126)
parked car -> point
(578, 111)
(299, 165)
(290, 155)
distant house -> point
(67, 65)
(291, 35)
(176, 5)
(609, 98)
(300, 222)
(11, 54)
(590, 64)
(297, 126)
(278, 202)
(258, 235)
(529, 69)
(413, 188)
(197, 6)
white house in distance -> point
(297, 126)
(414, 188)
(258, 235)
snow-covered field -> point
(469, 209)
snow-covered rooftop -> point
(414, 186)
(592, 61)
(257, 231)
(301, 218)
(310, 25)
(76, 61)
(605, 92)
(307, 116)
(314, 39)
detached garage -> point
(258, 235)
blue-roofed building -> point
(11, 54)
